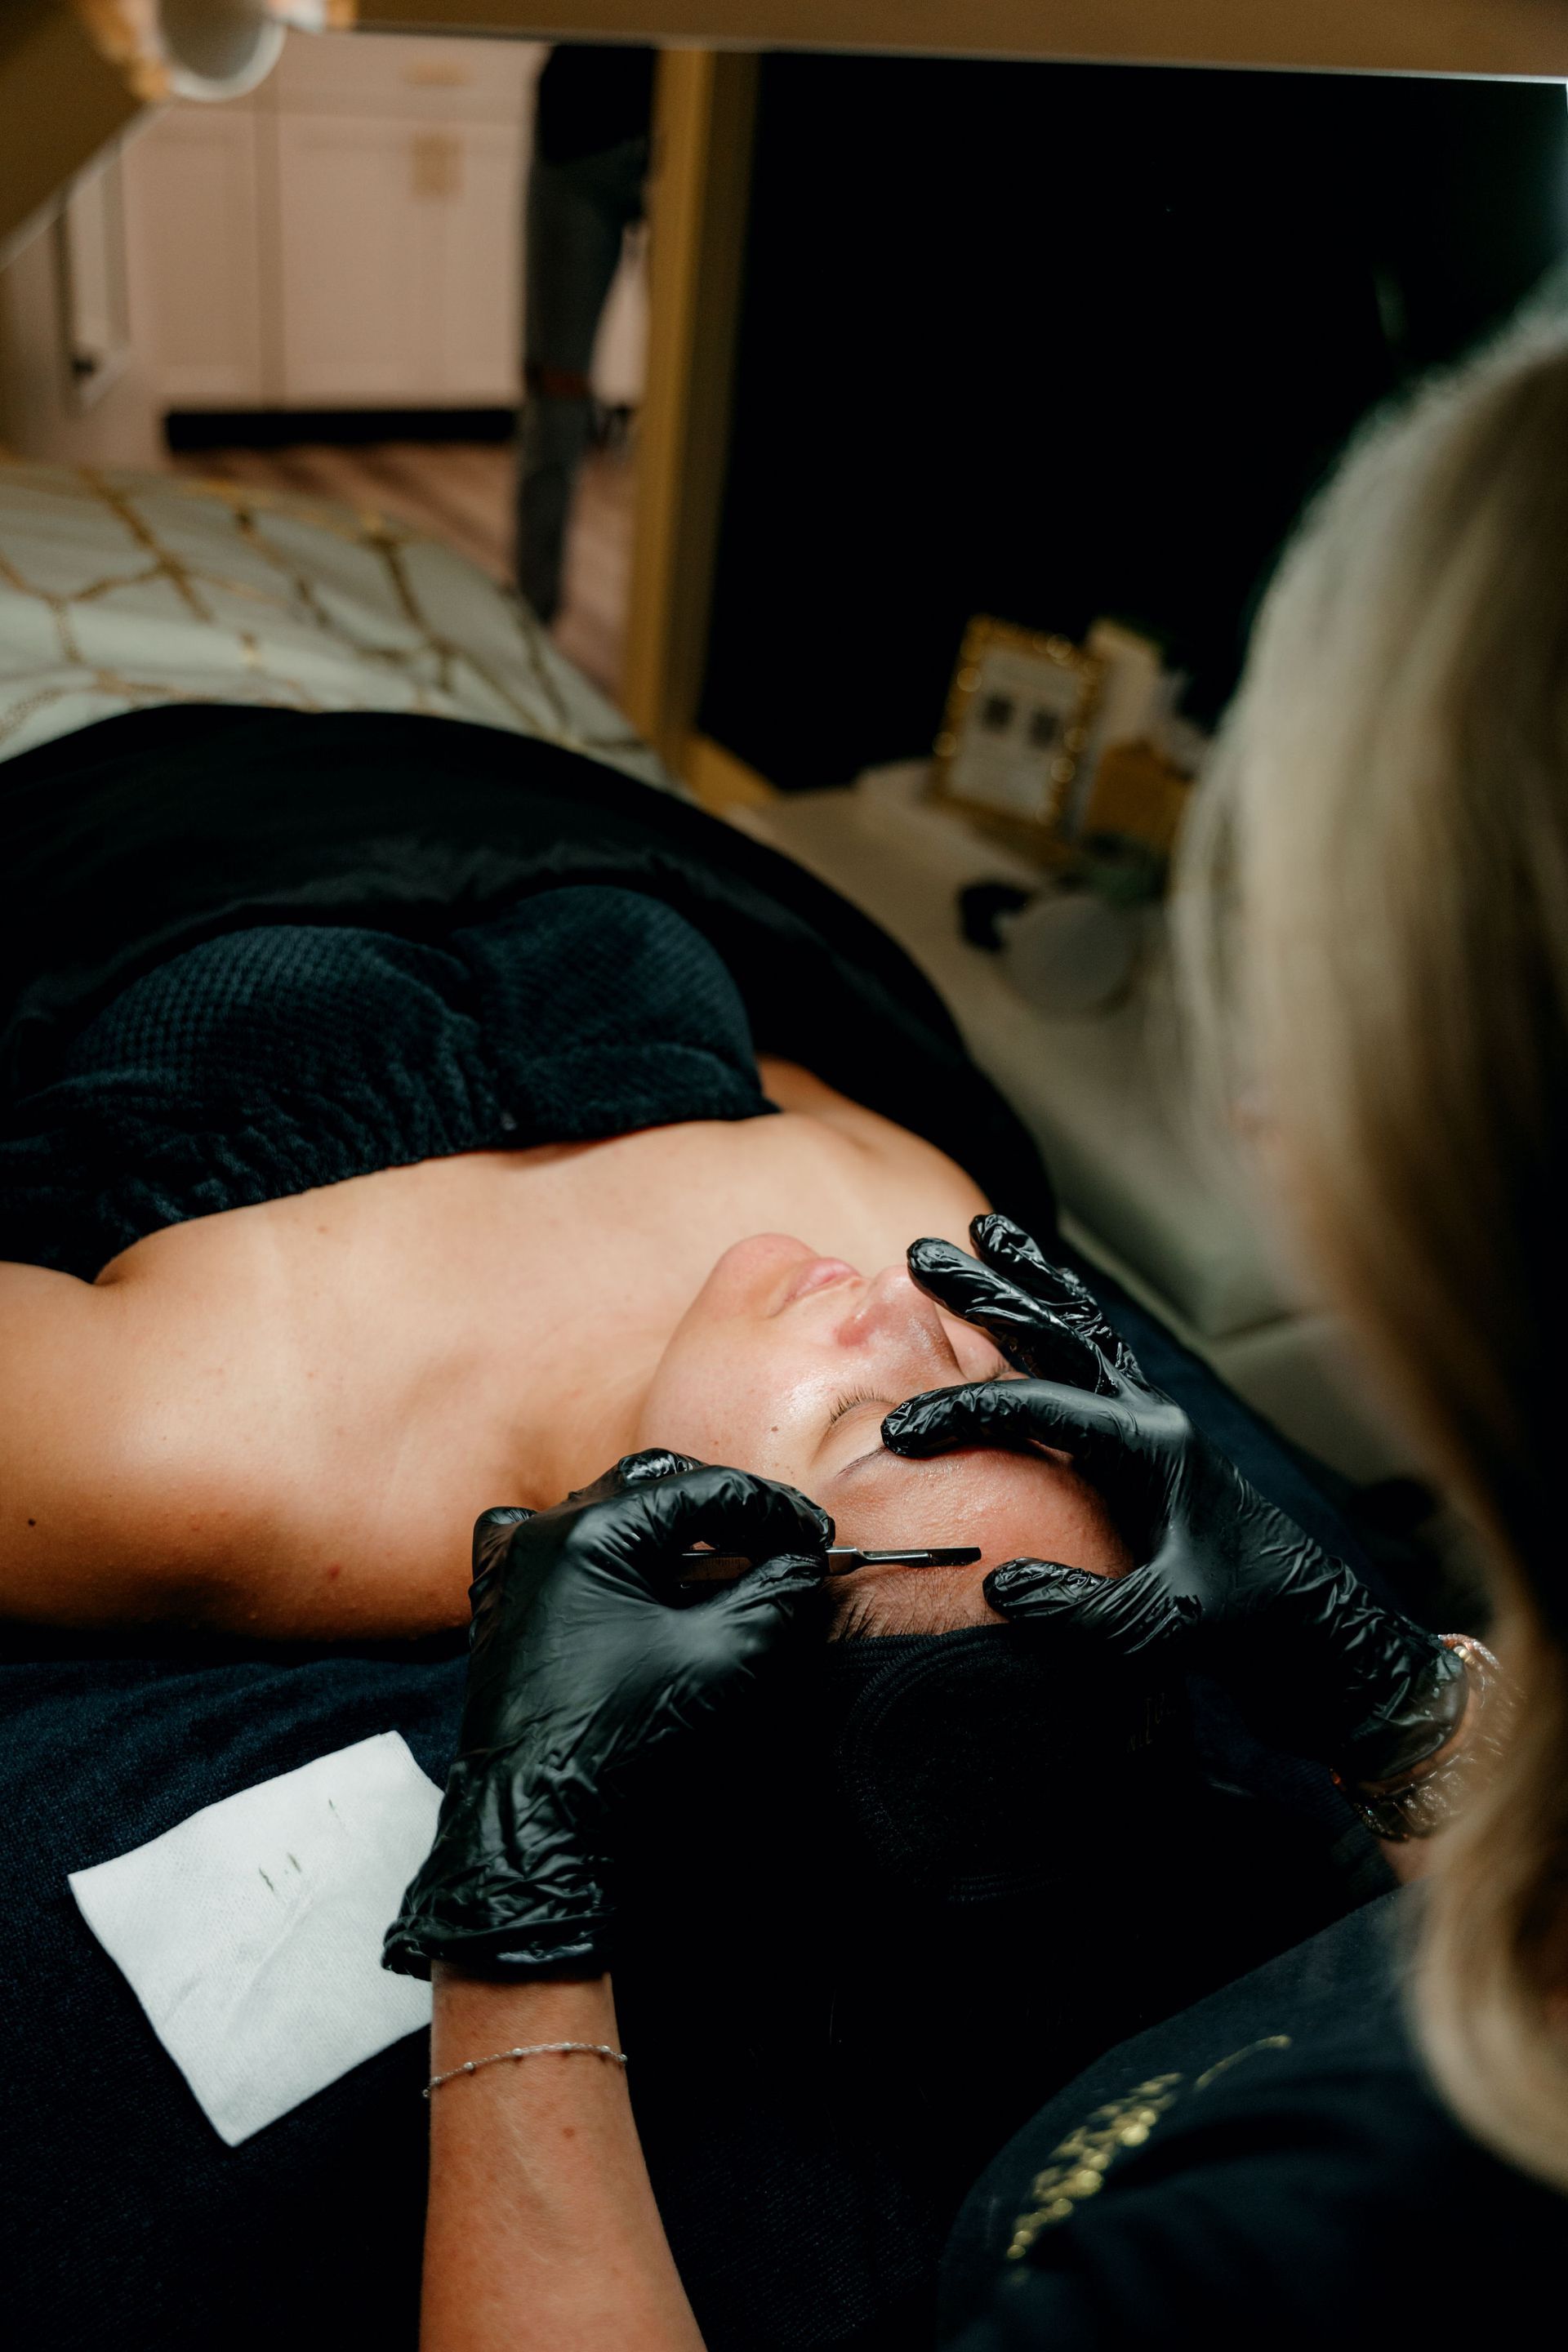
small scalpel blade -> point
(843, 1560)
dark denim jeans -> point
(578, 214)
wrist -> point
(1402, 1736)
(471, 2014)
(536, 1907)
(510, 1948)
(1449, 1746)
(1421, 1800)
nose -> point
(891, 1307)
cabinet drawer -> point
(399, 262)
(387, 75)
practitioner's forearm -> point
(541, 2229)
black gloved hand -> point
(1226, 1584)
(578, 1671)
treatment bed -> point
(125, 2209)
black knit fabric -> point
(136, 839)
(273, 1059)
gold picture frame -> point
(1017, 724)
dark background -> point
(1051, 340)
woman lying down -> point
(403, 1117)
(337, 1235)
(296, 1407)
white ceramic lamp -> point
(202, 48)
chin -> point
(748, 1272)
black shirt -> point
(1272, 2168)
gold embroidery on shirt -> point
(1079, 2163)
(1223, 2065)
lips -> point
(817, 1274)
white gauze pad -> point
(251, 1932)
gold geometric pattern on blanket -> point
(161, 589)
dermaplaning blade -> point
(843, 1560)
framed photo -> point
(1017, 720)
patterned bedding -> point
(120, 590)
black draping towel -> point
(145, 834)
(270, 1060)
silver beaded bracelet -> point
(529, 2050)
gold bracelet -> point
(529, 2050)
(1422, 1805)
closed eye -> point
(854, 1398)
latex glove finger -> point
(1017, 1255)
(634, 1470)
(1030, 1335)
(753, 1612)
(1127, 1615)
(493, 1529)
(654, 1462)
(730, 1509)
(1016, 1416)
(492, 1533)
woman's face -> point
(784, 1364)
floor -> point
(462, 492)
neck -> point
(591, 1422)
(573, 1425)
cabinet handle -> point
(437, 158)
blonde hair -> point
(1373, 914)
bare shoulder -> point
(903, 1159)
(95, 1485)
(794, 1088)
(167, 1455)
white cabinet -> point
(481, 275)
(194, 257)
(406, 78)
(348, 237)
(72, 391)
(410, 295)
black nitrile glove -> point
(578, 1670)
(1226, 1584)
